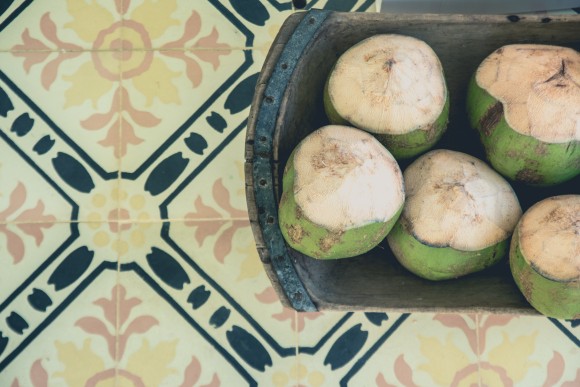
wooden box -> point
(288, 105)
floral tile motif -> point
(458, 350)
(523, 351)
(182, 285)
(36, 289)
(160, 347)
(167, 165)
(59, 26)
(72, 339)
(424, 351)
(46, 85)
(343, 351)
(153, 116)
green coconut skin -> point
(440, 263)
(318, 242)
(550, 297)
(401, 146)
(516, 156)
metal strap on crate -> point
(262, 164)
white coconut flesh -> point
(344, 179)
(455, 200)
(539, 87)
(549, 237)
(388, 84)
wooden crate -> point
(288, 105)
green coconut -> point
(457, 219)
(392, 86)
(545, 256)
(523, 100)
(342, 193)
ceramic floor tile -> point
(343, 349)
(418, 350)
(210, 303)
(168, 167)
(163, 344)
(69, 101)
(26, 248)
(262, 18)
(27, 194)
(175, 24)
(47, 267)
(59, 333)
(165, 94)
(70, 25)
(221, 255)
(525, 351)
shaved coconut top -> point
(388, 84)
(549, 237)
(344, 178)
(539, 87)
(456, 200)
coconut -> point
(545, 256)
(392, 86)
(342, 193)
(457, 219)
(525, 102)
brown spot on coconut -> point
(545, 256)
(392, 86)
(538, 89)
(457, 218)
(344, 191)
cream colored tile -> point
(225, 252)
(424, 350)
(161, 347)
(67, 331)
(168, 166)
(72, 97)
(194, 324)
(524, 351)
(70, 25)
(206, 25)
(339, 353)
(181, 25)
(165, 92)
(220, 194)
(27, 194)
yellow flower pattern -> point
(125, 53)
(126, 214)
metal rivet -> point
(269, 99)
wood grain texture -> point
(376, 281)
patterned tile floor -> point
(125, 250)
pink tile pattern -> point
(126, 253)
